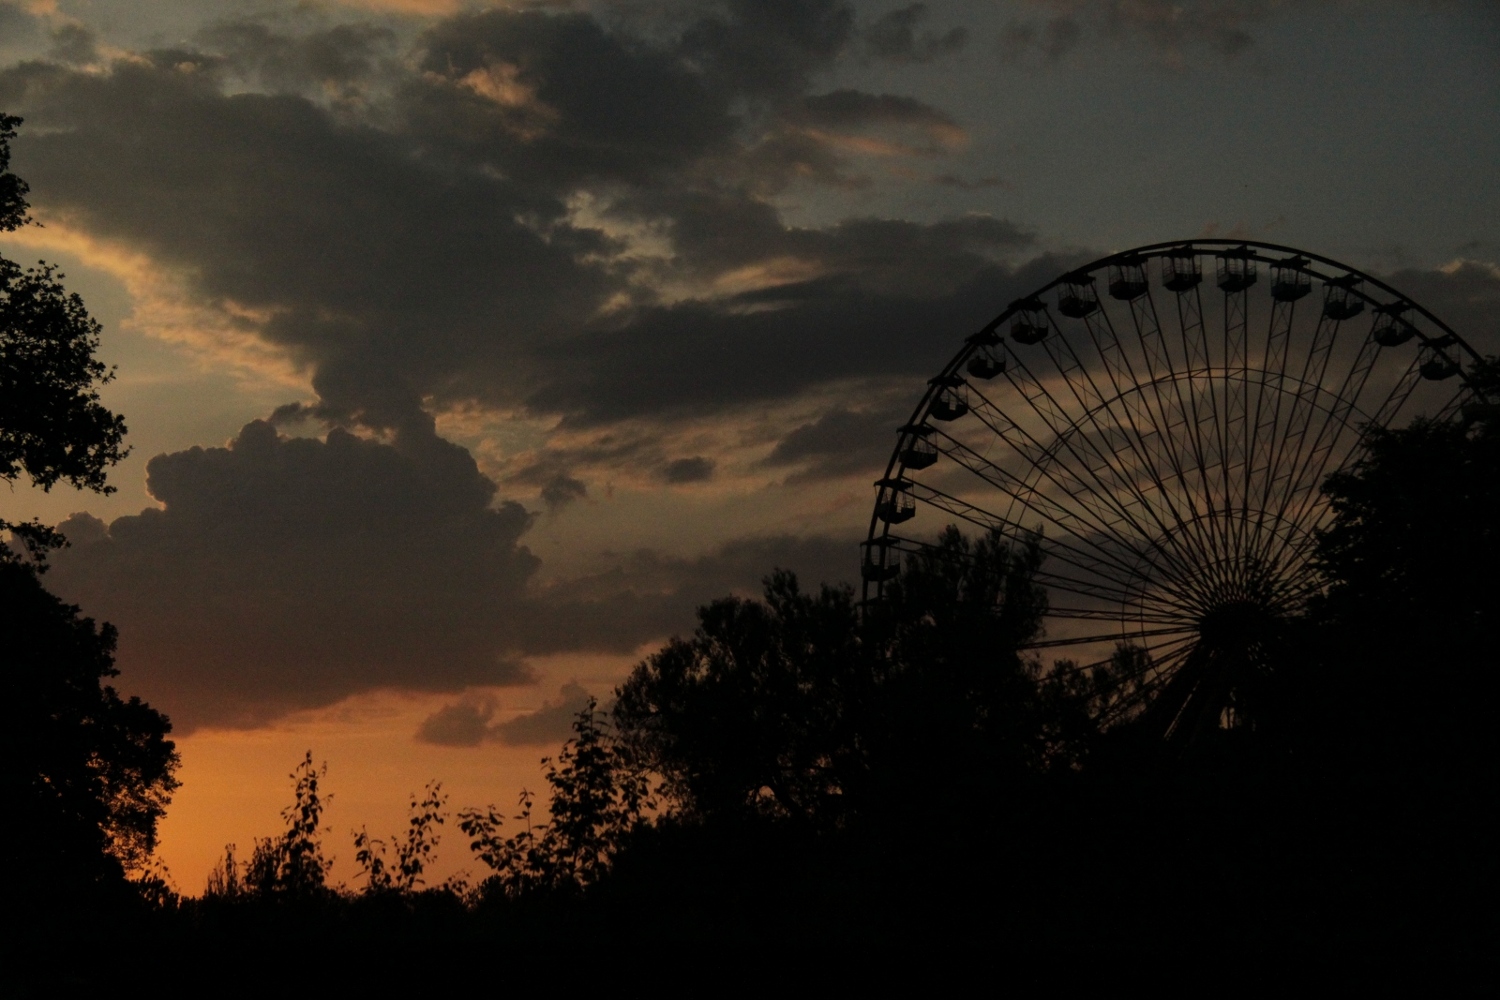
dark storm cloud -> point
(391, 276)
(555, 99)
(645, 595)
(284, 573)
(840, 442)
(339, 57)
(422, 249)
(895, 36)
(16, 23)
(688, 470)
(1465, 295)
(1171, 28)
(401, 228)
(73, 43)
(698, 357)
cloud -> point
(1052, 39)
(552, 723)
(877, 124)
(561, 490)
(408, 232)
(466, 722)
(336, 61)
(1465, 294)
(389, 276)
(462, 724)
(419, 248)
(645, 595)
(688, 470)
(769, 48)
(840, 442)
(894, 37)
(284, 573)
(1171, 29)
(887, 287)
(555, 99)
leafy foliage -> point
(90, 772)
(413, 853)
(53, 427)
(1400, 658)
(599, 800)
(13, 190)
(800, 706)
(292, 866)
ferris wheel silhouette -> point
(1159, 423)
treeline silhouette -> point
(805, 772)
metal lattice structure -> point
(1161, 420)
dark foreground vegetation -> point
(801, 773)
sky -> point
(466, 348)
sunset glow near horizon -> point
(467, 348)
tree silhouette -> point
(52, 426)
(599, 800)
(292, 866)
(413, 853)
(86, 773)
(801, 706)
(1401, 664)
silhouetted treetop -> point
(86, 774)
(804, 706)
(53, 427)
(13, 189)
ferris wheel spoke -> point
(1094, 403)
(1234, 390)
(981, 518)
(1202, 406)
(1162, 667)
(1264, 453)
(1149, 444)
(1289, 448)
(1094, 614)
(1106, 490)
(1114, 519)
(1389, 407)
(1395, 400)
(1065, 667)
(1108, 521)
(1159, 367)
(1336, 421)
(1045, 578)
(1178, 630)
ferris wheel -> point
(1160, 422)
